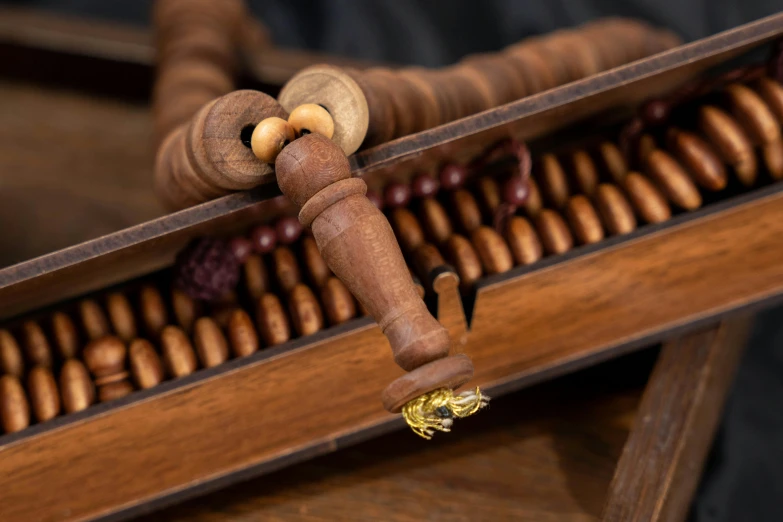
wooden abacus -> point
(260, 409)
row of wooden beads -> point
(408, 100)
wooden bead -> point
(492, 250)
(339, 304)
(615, 210)
(305, 312)
(272, 321)
(534, 202)
(702, 162)
(425, 98)
(178, 355)
(753, 114)
(406, 228)
(211, 345)
(731, 141)
(44, 396)
(114, 390)
(553, 232)
(488, 195)
(466, 210)
(381, 126)
(242, 334)
(145, 364)
(613, 161)
(554, 183)
(772, 94)
(426, 259)
(773, 159)
(221, 309)
(287, 272)
(645, 146)
(105, 358)
(269, 137)
(463, 257)
(317, 270)
(523, 241)
(121, 316)
(14, 408)
(186, 310)
(36, 346)
(256, 277)
(584, 220)
(649, 203)
(77, 390)
(309, 118)
(584, 172)
(153, 310)
(66, 338)
(11, 360)
(673, 180)
(93, 319)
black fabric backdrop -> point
(744, 477)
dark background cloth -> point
(744, 476)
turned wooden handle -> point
(358, 244)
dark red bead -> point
(424, 186)
(375, 199)
(453, 176)
(656, 112)
(241, 248)
(397, 195)
(515, 191)
(288, 230)
(264, 239)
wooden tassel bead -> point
(466, 210)
(44, 396)
(186, 310)
(270, 136)
(317, 270)
(272, 321)
(465, 260)
(772, 94)
(66, 338)
(615, 210)
(492, 250)
(584, 220)
(753, 114)
(702, 162)
(287, 272)
(11, 360)
(406, 228)
(14, 408)
(36, 346)
(613, 161)
(178, 355)
(554, 183)
(145, 364)
(523, 241)
(121, 316)
(646, 198)
(437, 224)
(554, 233)
(673, 180)
(309, 118)
(76, 387)
(339, 304)
(242, 334)
(731, 141)
(93, 320)
(773, 159)
(153, 310)
(305, 311)
(256, 277)
(584, 172)
(105, 358)
(211, 345)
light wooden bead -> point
(269, 137)
(14, 408)
(492, 250)
(242, 334)
(272, 321)
(338, 302)
(673, 180)
(650, 204)
(178, 355)
(153, 310)
(66, 338)
(584, 171)
(317, 270)
(406, 227)
(286, 268)
(145, 364)
(121, 316)
(44, 396)
(731, 141)
(305, 312)
(523, 241)
(773, 158)
(489, 194)
(466, 210)
(534, 202)
(553, 181)
(613, 161)
(256, 277)
(76, 386)
(553, 232)
(584, 220)
(36, 346)
(114, 390)
(702, 162)
(645, 146)
(615, 210)
(772, 93)
(309, 118)
(211, 345)
(753, 114)
(436, 221)
(105, 358)
(463, 257)
(93, 319)
(11, 360)
(186, 310)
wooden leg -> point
(661, 462)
